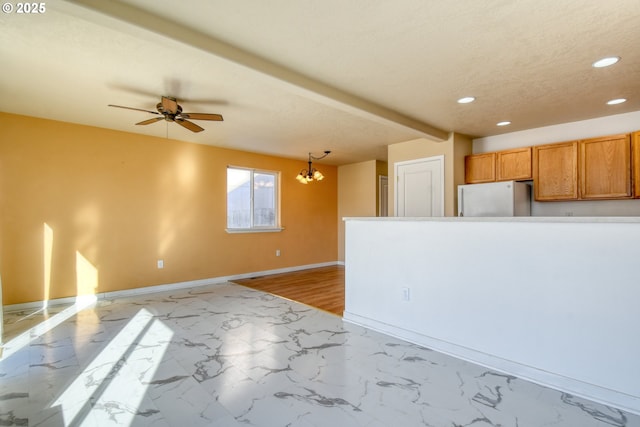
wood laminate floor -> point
(321, 288)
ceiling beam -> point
(309, 87)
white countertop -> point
(548, 219)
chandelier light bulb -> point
(307, 175)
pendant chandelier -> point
(307, 175)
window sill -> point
(253, 230)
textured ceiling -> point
(353, 76)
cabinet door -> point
(513, 164)
(636, 164)
(555, 171)
(480, 168)
(605, 167)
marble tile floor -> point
(226, 355)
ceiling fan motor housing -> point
(168, 115)
(170, 111)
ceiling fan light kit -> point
(169, 110)
(311, 174)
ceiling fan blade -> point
(135, 109)
(189, 125)
(203, 101)
(133, 90)
(169, 105)
(148, 122)
(202, 116)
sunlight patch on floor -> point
(31, 334)
(138, 347)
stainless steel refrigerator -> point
(506, 198)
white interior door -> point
(420, 187)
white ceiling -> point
(293, 76)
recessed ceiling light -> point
(505, 123)
(605, 62)
(616, 101)
(466, 100)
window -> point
(252, 200)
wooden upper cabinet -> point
(555, 171)
(592, 169)
(514, 164)
(480, 168)
(636, 163)
(605, 167)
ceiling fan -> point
(169, 110)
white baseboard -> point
(572, 386)
(161, 288)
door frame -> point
(383, 196)
(438, 158)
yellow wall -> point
(454, 150)
(357, 194)
(87, 210)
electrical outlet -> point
(406, 294)
(277, 252)
(160, 263)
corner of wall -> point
(357, 194)
(462, 147)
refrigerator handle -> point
(460, 201)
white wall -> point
(627, 207)
(610, 125)
(555, 302)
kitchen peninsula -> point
(551, 299)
